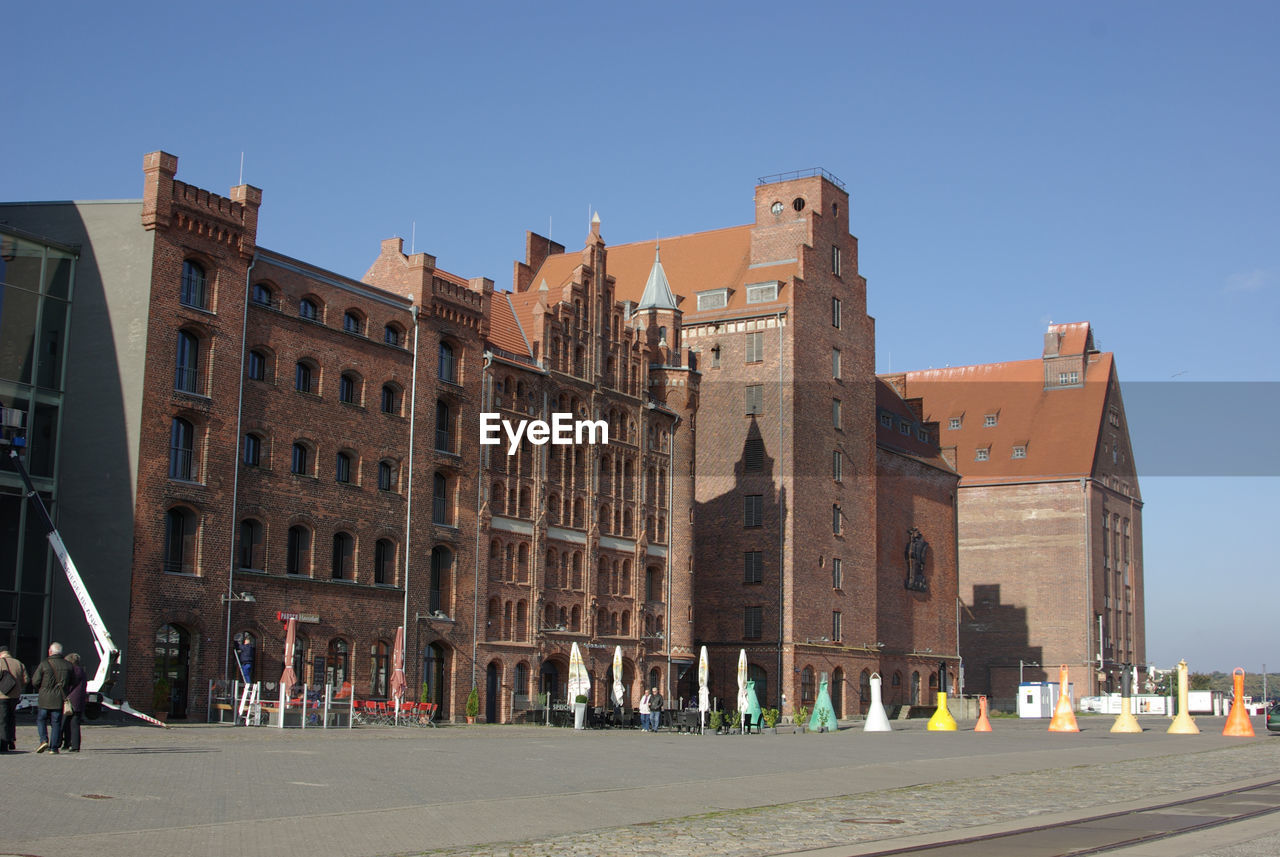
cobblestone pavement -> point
(894, 813)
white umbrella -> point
(579, 681)
(704, 695)
(618, 689)
(742, 685)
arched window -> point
(444, 426)
(182, 443)
(308, 309)
(349, 388)
(256, 365)
(806, 686)
(448, 369)
(440, 509)
(353, 322)
(342, 468)
(626, 623)
(301, 462)
(338, 663)
(379, 668)
(261, 294)
(576, 583)
(915, 687)
(653, 583)
(343, 551)
(172, 664)
(493, 625)
(521, 685)
(575, 618)
(252, 450)
(386, 476)
(195, 286)
(441, 572)
(180, 541)
(251, 544)
(298, 555)
(522, 621)
(655, 678)
(302, 377)
(392, 335)
(384, 557)
(187, 368)
(390, 399)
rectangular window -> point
(835, 312)
(753, 510)
(983, 454)
(753, 454)
(835, 413)
(904, 428)
(989, 420)
(714, 299)
(837, 465)
(1066, 378)
(252, 450)
(835, 518)
(835, 262)
(837, 573)
(754, 567)
(953, 423)
(922, 435)
(257, 366)
(755, 399)
(755, 347)
(835, 363)
(302, 378)
(762, 293)
(886, 420)
(1019, 452)
(342, 468)
(837, 628)
(752, 622)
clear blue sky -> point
(1010, 164)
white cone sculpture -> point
(877, 720)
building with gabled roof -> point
(1050, 514)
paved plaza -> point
(526, 790)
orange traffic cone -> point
(983, 725)
(1238, 725)
(1064, 719)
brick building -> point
(279, 439)
(1050, 515)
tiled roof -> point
(1057, 428)
(505, 329)
(693, 263)
(887, 400)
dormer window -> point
(713, 299)
(954, 423)
(761, 293)
(984, 453)
(990, 420)
(1020, 451)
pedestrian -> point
(655, 710)
(13, 680)
(52, 681)
(644, 712)
(73, 709)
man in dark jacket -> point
(9, 701)
(52, 681)
(655, 708)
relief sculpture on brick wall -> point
(917, 550)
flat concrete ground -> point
(211, 790)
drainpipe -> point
(1088, 583)
(235, 469)
(671, 525)
(408, 506)
(782, 533)
(485, 391)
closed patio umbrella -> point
(742, 687)
(398, 682)
(579, 684)
(618, 689)
(289, 678)
(704, 695)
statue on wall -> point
(917, 550)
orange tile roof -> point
(1059, 428)
(694, 263)
(505, 330)
(892, 437)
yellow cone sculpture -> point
(1064, 719)
(1238, 725)
(1183, 724)
(942, 721)
(1126, 722)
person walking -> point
(13, 680)
(655, 710)
(73, 710)
(52, 681)
(644, 712)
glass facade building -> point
(37, 278)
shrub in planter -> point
(801, 717)
(735, 721)
(770, 716)
(473, 705)
(717, 720)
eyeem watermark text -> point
(563, 430)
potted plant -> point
(160, 698)
(716, 721)
(802, 718)
(822, 720)
(735, 722)
(770, 716)
(580, 711)
(473, 704)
